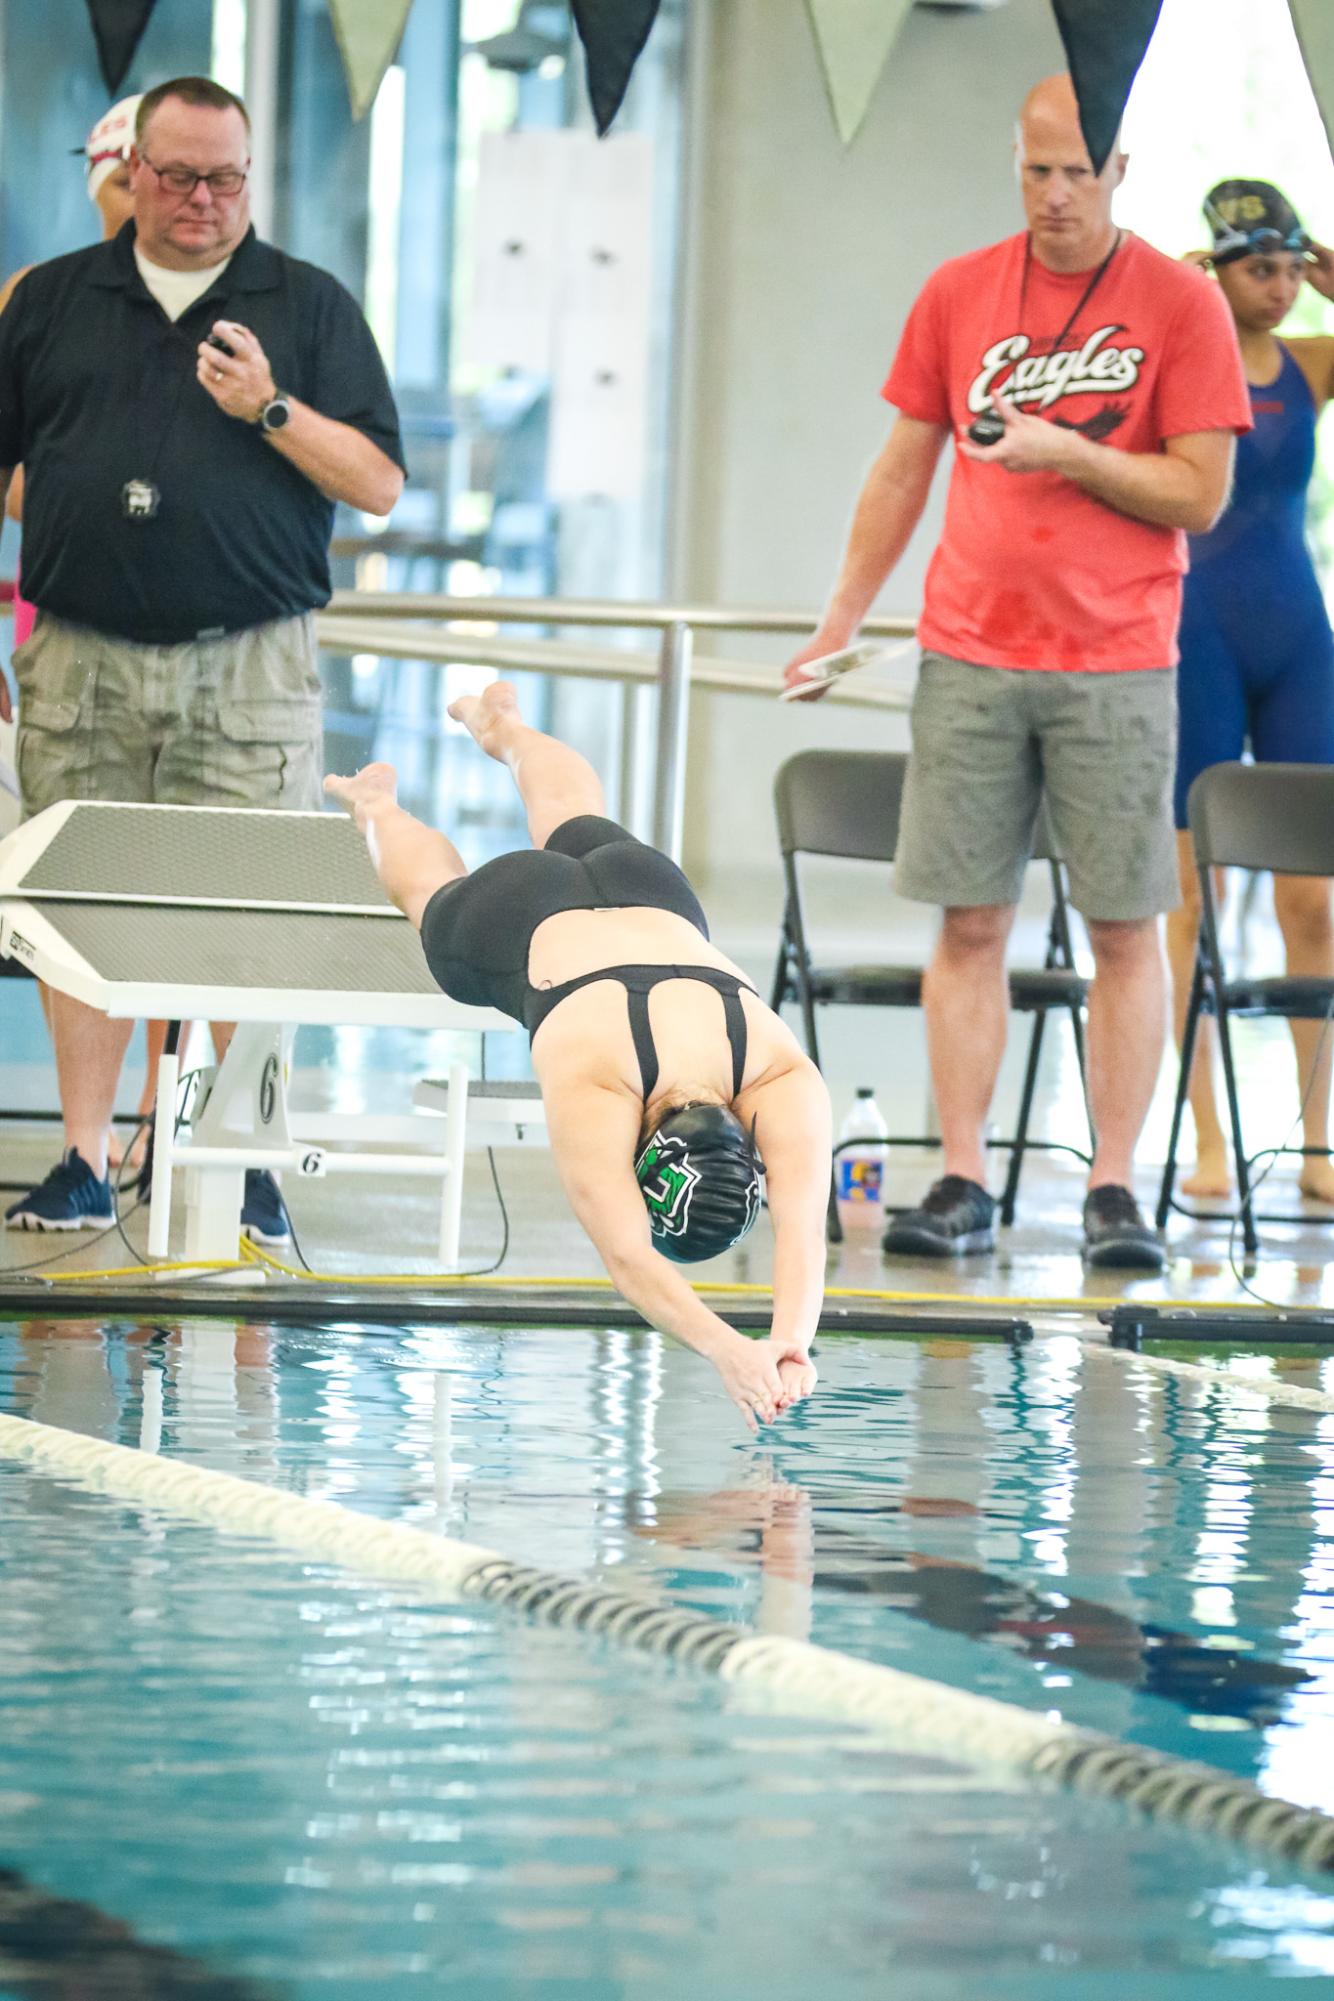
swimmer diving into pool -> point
(669, 1086)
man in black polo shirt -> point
(188, 404)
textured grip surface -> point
(201, 854)
(289, 950)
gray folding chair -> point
(845, 803)
(1252, 816)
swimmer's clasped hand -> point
(797, 1373)
(764, 1378)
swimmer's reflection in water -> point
(670, 1088)
(827, 1543)
(211, 1385)
(60, 1949)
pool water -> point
(226, 1772)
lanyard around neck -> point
(1085, 296)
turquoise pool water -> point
(276, 1779)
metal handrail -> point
(400, 641)
(597, 611)
(404, 542)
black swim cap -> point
(700, 1177)
(1252, 219)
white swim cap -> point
(109, 142)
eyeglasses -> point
(184, 180)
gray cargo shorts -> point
(989, 743)
(231, 721)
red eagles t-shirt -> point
(1030, 571)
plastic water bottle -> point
(859, 1170)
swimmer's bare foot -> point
(1212, 1175)
(1316, 1181)
(483, 715)
(374, 784)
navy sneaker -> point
(957, 1216)
(1116, 1236)
(70, 1198)
(263, 1212)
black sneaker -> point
(956, 1217)
(1116, 1236)
(263, 1212)
(70, 1198)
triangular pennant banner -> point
(854, 38)
(369, 32)
(1314, 22)
(1105, 41)
(117, 27)
(613, 33)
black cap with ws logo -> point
(1252, 219)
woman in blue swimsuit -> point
(1257, 654)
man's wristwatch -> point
(276, 413)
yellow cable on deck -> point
(720, 1288)
(250, 1253)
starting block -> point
(267, 919)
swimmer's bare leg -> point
(555, 783)
(412, 861)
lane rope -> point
(797, 1676)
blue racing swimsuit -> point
(1257, 654)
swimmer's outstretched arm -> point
(411, 860)
(593, 1134)
(794, 1133)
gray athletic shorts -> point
(988, 742)
(232, 721)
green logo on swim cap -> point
(668, 1181)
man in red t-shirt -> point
(1048, 635)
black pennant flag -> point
(1314, 22)
(117, 27)
(1104, 42)
(613, 32)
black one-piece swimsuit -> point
(476, 932)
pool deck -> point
(357, 1227)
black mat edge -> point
(379, 1307)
